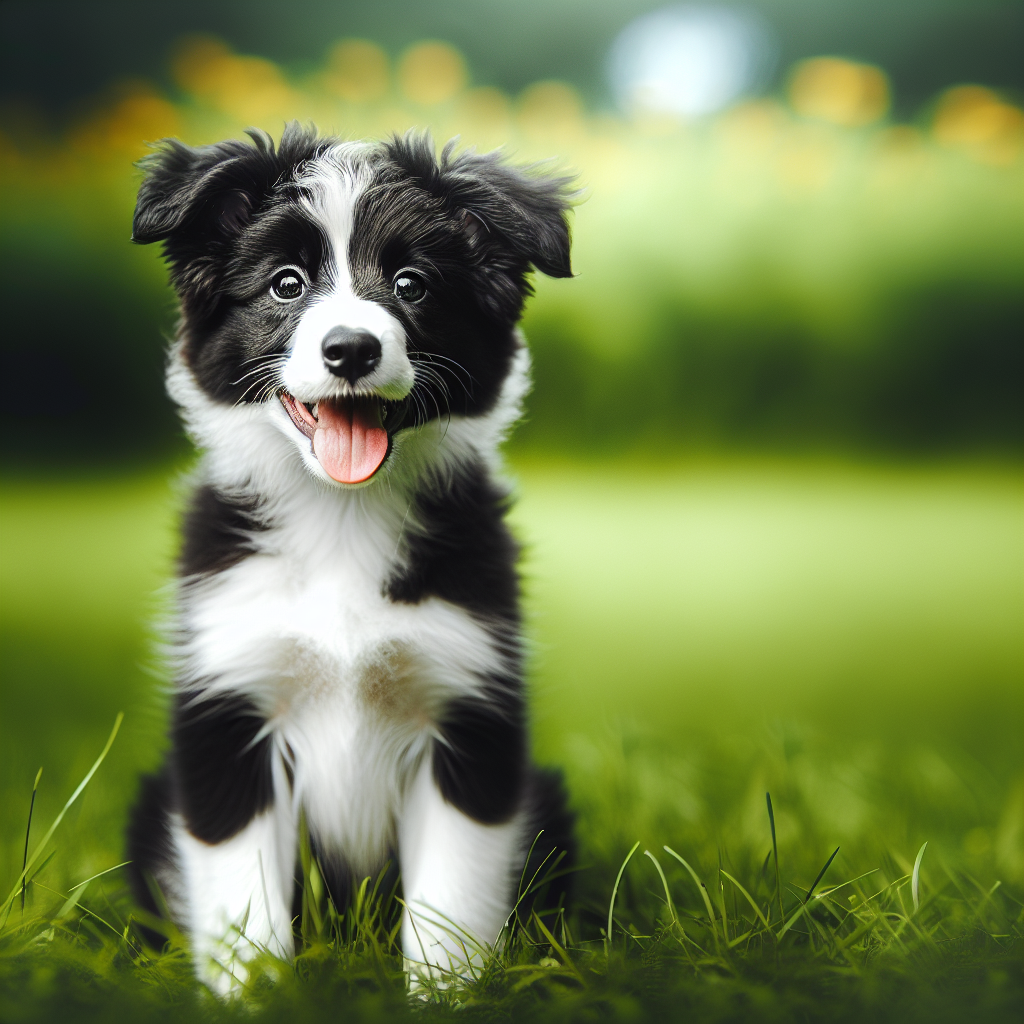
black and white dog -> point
(347, 635)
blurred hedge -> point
(761, 279)
(942, 374)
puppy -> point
(347, 637)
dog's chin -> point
(349, 439)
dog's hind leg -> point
(550, 858)
(152, 869)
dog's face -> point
(353, 290)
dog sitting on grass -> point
(347, 642)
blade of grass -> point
(556, 946)
(41, 867)
(703, 891)
(775, 851)
(721, 901)
(69, 904)
(84, 909)
(810, 892)
(664, 885)
(99, 874)
(526, 864)
(514, 912)
(792, 920)
(748, 897)
(821, 874)
(28, 832)
(60, 817)
(615, 890)
(915, 882)
(841, 885)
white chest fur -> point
(350, 683)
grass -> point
(844, 637)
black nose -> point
(350, 354)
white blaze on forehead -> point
(334, 183)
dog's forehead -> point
(335, 178)
(360, 199)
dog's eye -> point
(287, 286)
(410, 287)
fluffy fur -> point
(348, 651)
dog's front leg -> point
(457, 876)
(234, 838)
(238, 896)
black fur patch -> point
(227, 217)
(551, 834)
(480, 766)
(221, 773)
(233, 345)
(215, 532)
(463, 551)
(148, 845)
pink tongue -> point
(349, 441)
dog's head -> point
(350, 291)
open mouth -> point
(351, 437)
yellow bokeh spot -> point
(807, 161)
(483, 115)
(550, 112)
(138, 117)
(753, 128)
(839, 91)
(485, 106)
(431, 73)
(249, 88)
(976, 118)
(357, 71)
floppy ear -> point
(203, 190)
(208, 194)
(526, 211)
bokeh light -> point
(249, 88)
(357, 71)
(551, 113)
(839, 91)
(976, 119)
(431, 72)
(119, 131)
(689, 61)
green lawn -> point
(845, 636)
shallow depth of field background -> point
(769, 478)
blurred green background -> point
(769, 477)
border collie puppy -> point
(347, 634)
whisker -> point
(417, 358)
(266, 381)
(437, 355)
(271, 360)
(431, 376)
